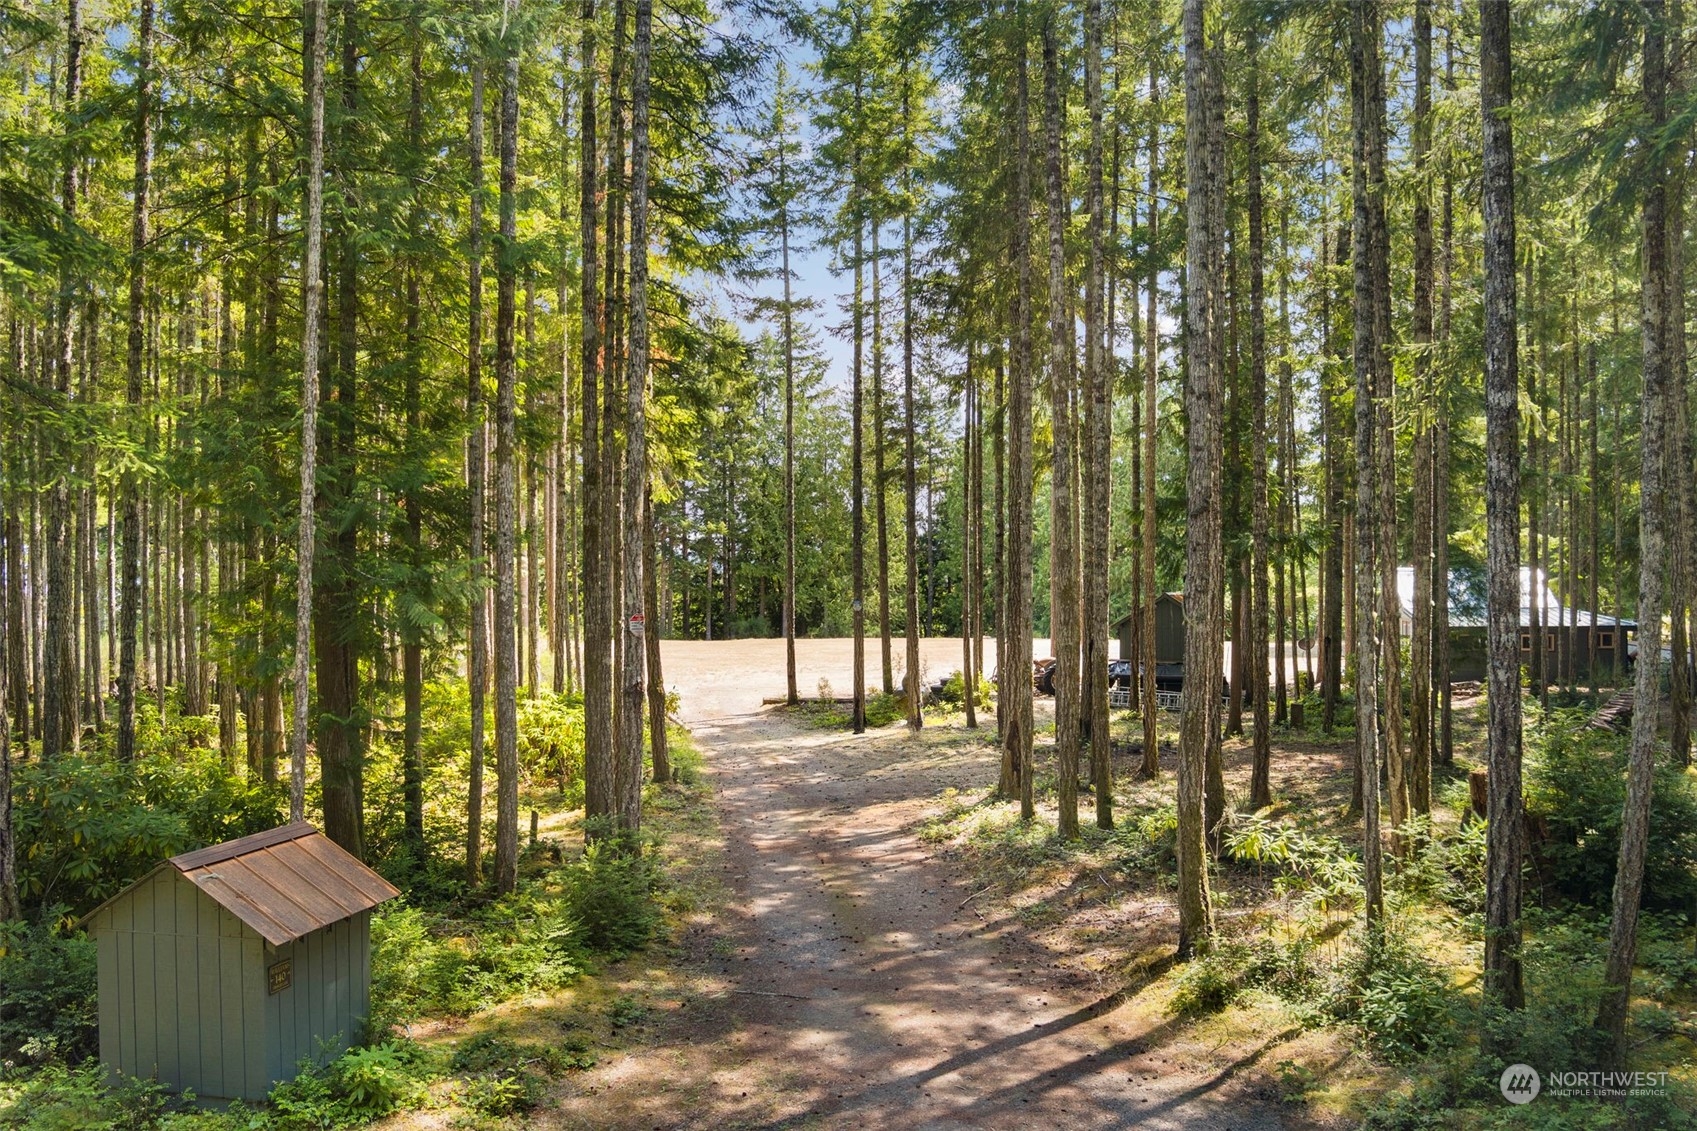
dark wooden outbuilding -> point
(1169, 630)
(1568, 632)
(223, 969)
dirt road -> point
(854, 983)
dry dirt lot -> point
(851, 981)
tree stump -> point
(1479, 792)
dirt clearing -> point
(851, 981)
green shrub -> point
(1398, 998)
(57, 1098)
(503, 1092)
(550, 738)
(882, 709)
(1208, 983)
(376, 1080)
(362, 1085)
(953, 692)
(424, 963)
(1148, 841)
(1576, 790)
(92, 825)
(609, 897)
(1446, 866)
(47, 992)
(625, 1011)
(484, 1052)
(1318, 870)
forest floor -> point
(844, 972)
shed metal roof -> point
(285, 882)
(1467, 601)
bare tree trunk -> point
(412, 643)
(59, 653)
(1204, 568)
(477, 662)
(633, 667)
(1504, 832)
(1014, 667)
(1425, 409)
(1441, 450)
(1657, 406)
(312, 287)
(915, 716)
(599, 788)
(791, 691)
(1097, 394)
(659, 751)
(1260, 785)
(857, 549)
(130, 597)
(530, 595)
(10, 908)
(506, 487)
(880, 493)
(1063, 558)
(1678, 477)
(1364, 59)
(1151, 392)
(972, 581)
(335, 600)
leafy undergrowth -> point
(483, 1011)
(1382, 1032)
(827, 714)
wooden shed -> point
(1169, 630)
(223, 969)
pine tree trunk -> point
(857, 548)
(972, 586)
(59, 653)
(412, 644)
(312, 287)
(915, 690)
(477, 660)
(1445, 751)
(10, 908)
(633, 661)
(599, 792)
(1204, 568)
(1151, 392)
(562, 603)
(336, 602)
(1364, 59)
(880, 495)
(1502, 518)
(792, 693)
(1260, 784)
(1423, 533)
(1656, 408)
(506, 486)
(532, 595)
(130, 594)
(1679, 474)
(1097, 440)
(659, 750)
(1014, 667)
(1063, 557)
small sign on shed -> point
(222, 969)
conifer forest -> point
(847, 563)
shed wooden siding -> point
(328, 999)
(183, 983)
(1169, 630)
